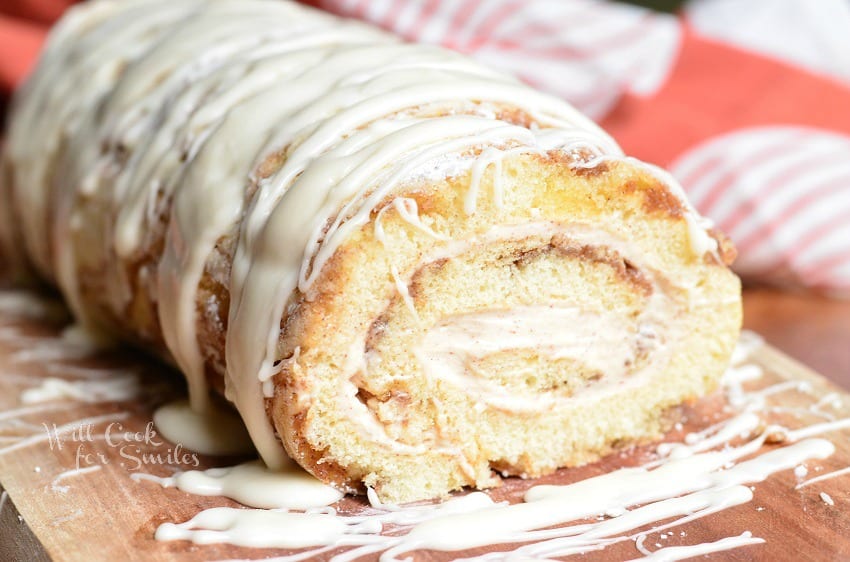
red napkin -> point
(747, 102)
(23, 27)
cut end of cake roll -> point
(558, 320)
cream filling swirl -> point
(603, 340)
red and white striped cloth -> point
(747, 102)
(583, 50)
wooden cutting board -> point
(53, 511)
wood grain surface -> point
(813, 329)
(103, 514)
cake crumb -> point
(779, 435)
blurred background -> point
(746, 102)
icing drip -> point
(255, 485)
(193, 99)
(216, 431)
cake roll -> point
(405, 270)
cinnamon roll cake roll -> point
(405, 270)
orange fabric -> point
(23, 28)
(722, 82)
(20, 42)
(44, 11)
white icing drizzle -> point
(88, 385)
(65, 518)
(832, 399)
(263, 526)
(816, 429)
(73, 343)
(639, 540)
(55, 483)
(139, 102)
(106, 390)
(89, 373)
(402, 289)
(673, 553)
(16, 413)
(739, 426)
(215, 431)
(827, 499)
(822, 477)
(701, 475)
(408, 210)
(40, 436)
(488, 156)
(748, 343)
(255, 485)
(29, 305)
(249, 527)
